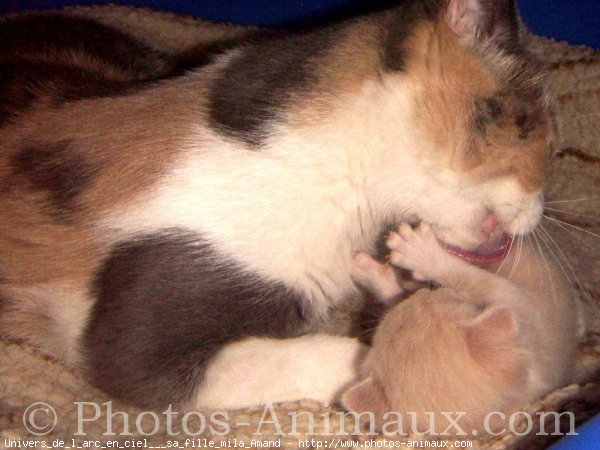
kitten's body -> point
(487, 341)
(143, 230)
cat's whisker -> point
(578, 237)
(586, 295)
(573, 119)
(551, 239)
(584, 292)
(519, 250)
(546, 264)
(537, 250)
(562, 211)
(540, 253)
(571, 225)
(558, 261)
(552, 202)
(515, 236)
(561, 252)
(512, 269)
(372, 321)
(510, 246)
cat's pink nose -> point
(489, 224)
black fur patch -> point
(255, 87)
(12, 99)
(400, 28)
(21, 83)
(488, 111)
(33, 35)
(61, 58)
(79, 85)
(55, 169)
(529, 112)
(525, 124)
(166, 303)
(501, 24)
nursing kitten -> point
(147, 229)
(483, 342)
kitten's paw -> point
(378, 278)
(416, 250)
(365, 268)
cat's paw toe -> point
(377, 277)
(400, 259)
(394, 240)
(420, 276)
(366, 270)
(365, 264)
(405, 241)
(406, 231)
(426, 236)
(413, 249)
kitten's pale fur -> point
(483, 342)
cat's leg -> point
(255, 371)
(378, 278)
(169, 306)
(420, 251)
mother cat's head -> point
(467, 105)
(434, 108)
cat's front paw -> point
(378, 278)
(415, 249)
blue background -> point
(576, 21)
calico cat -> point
(52, 58)
(145, 232)
(49, 59)
(487, 341)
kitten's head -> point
(479, 120)
(435, 353)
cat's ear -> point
(366, 396)
(494, 326)
(494, 20)
(493, 340)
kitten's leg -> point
(378, 278)
(420, 251)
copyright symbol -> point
(39, 418)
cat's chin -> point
(493, 250)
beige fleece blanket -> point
(71, 409)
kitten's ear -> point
(366, 396)
(494, 326)
(494, 20)
(493, 341)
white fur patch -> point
(256, 371)
(296, 209)
(293, 211)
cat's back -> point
(73, 103)
(51, 58)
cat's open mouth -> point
(494, 250)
